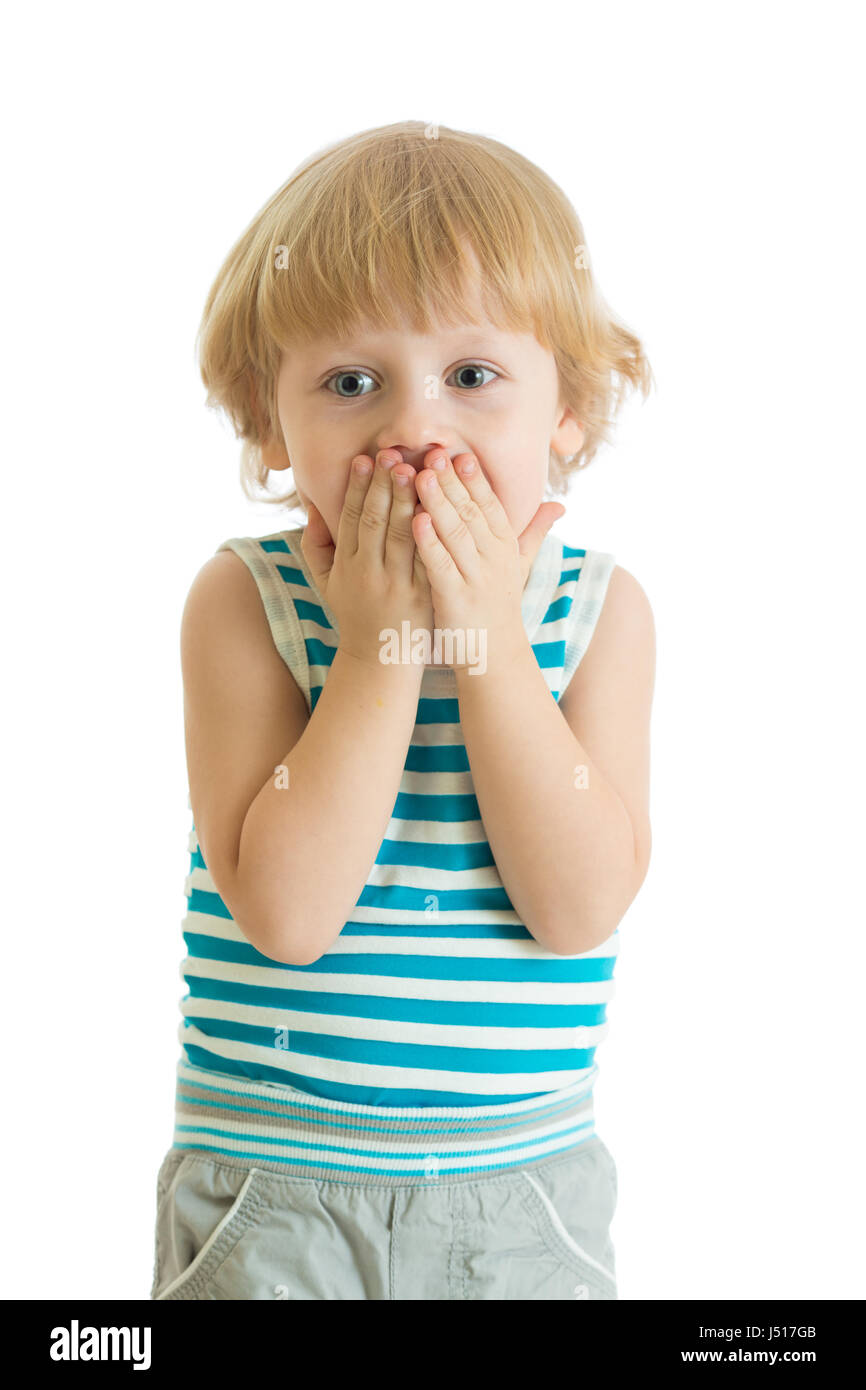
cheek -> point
(326, 492)
(510, 487)
(520, 490)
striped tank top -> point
(436, 1035)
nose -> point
(410, 420)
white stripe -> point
(396, 1030)
(438, 832)
(444, 782)
(390, 942)
(404, 986)
(432, 880)
(374, 1075)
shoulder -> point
(622, 647)
(625, 630)
(626, 610)
(219, 569)
(225, 629)
(223, 587)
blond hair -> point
(369, 230)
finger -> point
(452, 528)
(529, 541)
(482, 495)
(421, 575)
(422, 579)
(464, 505)
(441, 569)
(399, 541)
(376, 511)
(360, 472)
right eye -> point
(353, 377)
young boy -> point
(408, 861)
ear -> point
(569, 434)
(273, 450)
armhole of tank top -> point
(589, 593)
(279, 607)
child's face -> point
(509, 415)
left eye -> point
(354, 379)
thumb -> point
(318, 546)
(530, 540)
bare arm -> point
(566, 812)
(314, 842)
(289, 861)
(291, 809)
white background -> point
(713, 156)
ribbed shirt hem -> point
(287, 1131)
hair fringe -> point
(374, 227)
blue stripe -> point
(209, 904)
(549, 654)
(560, 608)
(440, 711)
(312, 613)
(292, 575)
(418, 853)
(436, 807)
(441, 757)
(319, 653)
(564, 969)
(445, 1011)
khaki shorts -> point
(228, 1230)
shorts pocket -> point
(167, 1170)
(572, 1203)
(204, 1209)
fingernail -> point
(438, 462)
(468, 467)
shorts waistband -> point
(290, 1132)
